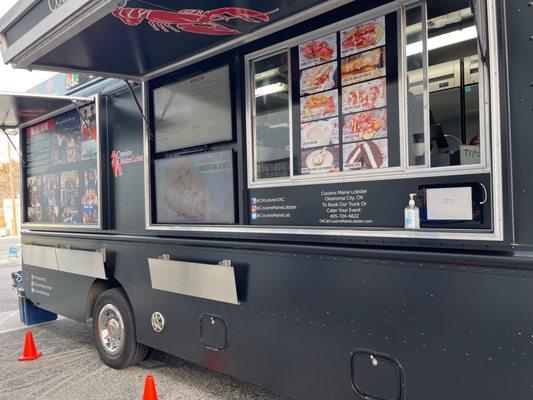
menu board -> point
(62, 174)
(193, 112)
(196, 188)
(343, 100)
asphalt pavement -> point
(70, 368)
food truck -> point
(236, 191)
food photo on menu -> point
(364, 96)
(318, 51)
(361, 37)
(318, 79)
(320, 133)
(321, 160)
(363, 66)
(318, 106)
(368, 154)
(365, 125)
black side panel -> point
(59, 292)
(125, 146)
(437, 331)
(520, 54)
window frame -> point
(404, 170)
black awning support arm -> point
(13, 145)
(139, 107)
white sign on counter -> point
(193, 112)
(449, 204)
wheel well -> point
(98, 287)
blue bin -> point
(30, 314)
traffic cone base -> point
(150, 392)
(29, 352)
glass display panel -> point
(454, 112)
(196, 188)
(415, 85)
(271, 122)
(193, 112)
(62, 182)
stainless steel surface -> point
(39, 256)
(495, 122)
(212, 282)
(80, 262)
(64, 23)
(111, 329)
(15, 12)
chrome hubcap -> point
(111, 329)
(158, 322)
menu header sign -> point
(193, 112)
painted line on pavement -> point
(9, 322)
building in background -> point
(7, 228)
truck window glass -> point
(271, 117)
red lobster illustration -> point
(194, 21)
(115, 163)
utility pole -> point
(14, 225)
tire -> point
(113, 317)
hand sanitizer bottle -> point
(412, 214)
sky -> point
(15, 80)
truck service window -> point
(361, 105)
(375, 108)
(62, 175)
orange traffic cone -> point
(150, 393)
(29, 353)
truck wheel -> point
(114, 330)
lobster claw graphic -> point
(191, 20)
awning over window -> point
(19, 109)
(138, 38)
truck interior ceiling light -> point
(444, 40)
(271, 89)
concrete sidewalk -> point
(70, 369)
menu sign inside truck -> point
(61, 172)
(193, 112)
(343, 100)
